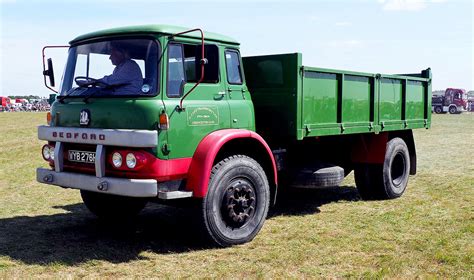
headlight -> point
(131, 160)
(51, 153)
(46, 152)
(117, 160)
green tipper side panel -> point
(356, 102)
(390, 108)
(320, 95)
(298, 101)
(273, 82)
(415, 100)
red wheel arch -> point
(206, 152)
(370, 148)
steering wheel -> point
(83, 81)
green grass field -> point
(46, 232)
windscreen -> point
(120, 67)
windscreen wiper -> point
(91, 94)
(68, 93)
(112, 87)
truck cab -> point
(453, 100)
(88, 109)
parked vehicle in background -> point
(5, 103)
(453, 100)
(470, 101)
(23, 105)
(21, 100)
(210, 127)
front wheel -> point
(112, 207)
(453, 110)
(236, 205)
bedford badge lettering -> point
(78, 135)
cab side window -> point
(233, 67)
(176, 73)
(193, 55)
(184, 66)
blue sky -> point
(381, 36)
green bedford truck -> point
(155, 113)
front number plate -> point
(81, 156)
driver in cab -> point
(127, 76)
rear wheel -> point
(107, 206)
(237, 201)
(438, 110)
(388, 180)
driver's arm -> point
(123, 74)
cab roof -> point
(153, 29)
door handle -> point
(220, 95)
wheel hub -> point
(398, 169)
(238, 203)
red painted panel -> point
(203, 159)
(152, 168)
(370, 148)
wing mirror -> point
(49, 72)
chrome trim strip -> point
(108, 185)
(174, 194)
(58, 157)
(100, 161)
(111, 137)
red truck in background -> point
(4, 102)
(21, 100)
(453, 100)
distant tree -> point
(24, 96)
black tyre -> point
(321, 176)
(111, 207)
(453, 110)
(388, 180)
(236, 205)
(438, 110)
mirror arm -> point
(47, 72)
(203, 61)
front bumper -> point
(99, 183)
(109, 185)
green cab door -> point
(241, 106)
(205, 109)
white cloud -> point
(313, 19)
(343, 23)
(407, 5)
